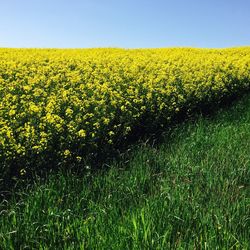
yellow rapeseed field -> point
(57, 105)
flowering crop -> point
(58, 105)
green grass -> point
(191, 191)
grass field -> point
(190, 191)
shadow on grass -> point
(100, 160)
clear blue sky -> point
(124, 23)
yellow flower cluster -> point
(60, 103)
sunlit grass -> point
(189, 192)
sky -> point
(124, 23)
